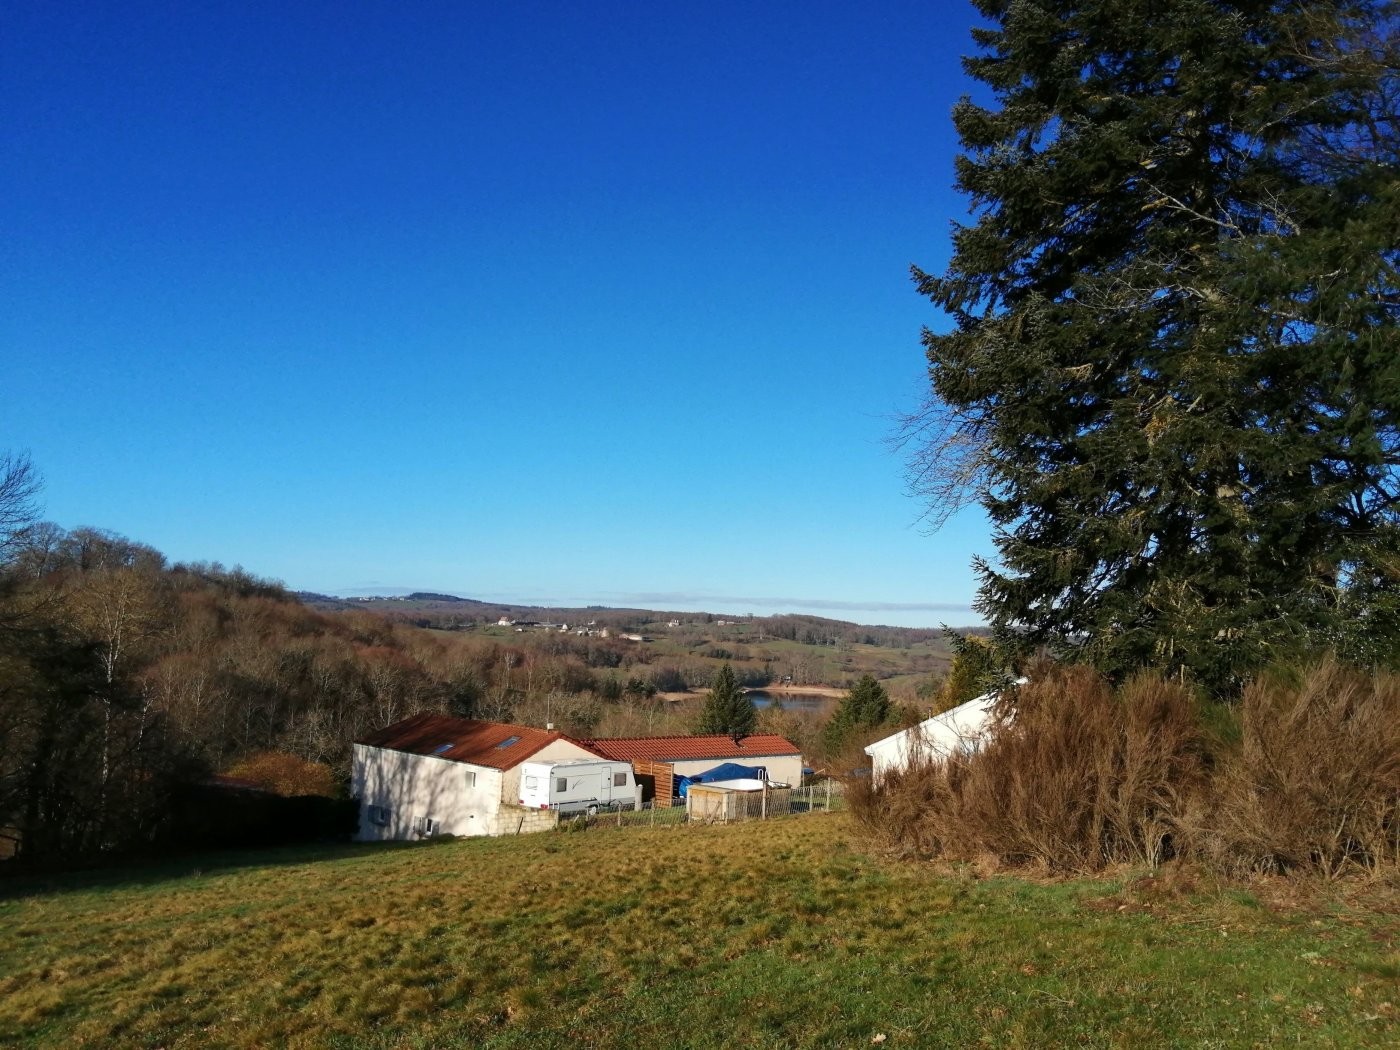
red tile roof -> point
(682, 748)
(496, 745)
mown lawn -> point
(760, 935)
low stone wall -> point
(518, 820)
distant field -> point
(760, 935)
(812, 650)
(807, 663)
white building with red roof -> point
(666, 757)
(434, 774)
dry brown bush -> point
(1076, 778)
(1314, 786)
(898, 810)
(285, 774)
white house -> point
(667, 757)
(961, 730)
(438, 775)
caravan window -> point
(562, 785)
(619, 780)
(531, 783)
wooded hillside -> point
(123, 676)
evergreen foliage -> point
(977, 667)
(1174, 377)
(728, 708)
(865, 705)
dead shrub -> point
(898, 810)
(285, 774)
(1314, 784)
(1075, 778)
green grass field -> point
(760, 935)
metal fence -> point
(822, 797)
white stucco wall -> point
(413, 786)
(963, 730)
(783, 769)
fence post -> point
(828, 794)
(764, 813)
(619, 814)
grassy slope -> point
(764, 935)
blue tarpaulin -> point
(727, 771)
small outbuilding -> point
(723, 801)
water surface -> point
(792, 701)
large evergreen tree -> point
(1174, 376)
(728, 708)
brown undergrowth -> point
(1080, 776)
(1314, 785)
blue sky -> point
(577, 303)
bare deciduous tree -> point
(19, 490)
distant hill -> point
(429, 596)
(313, 598)
(448, 611)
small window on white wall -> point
(619, 780)
(379, 815)
(426, 826)
(471, 778)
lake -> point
(792, 701)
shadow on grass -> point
(134, 872)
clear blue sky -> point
(590, 302)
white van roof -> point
(579, 762)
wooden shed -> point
(729, 800)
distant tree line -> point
(807, 630)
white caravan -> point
(578, 786)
